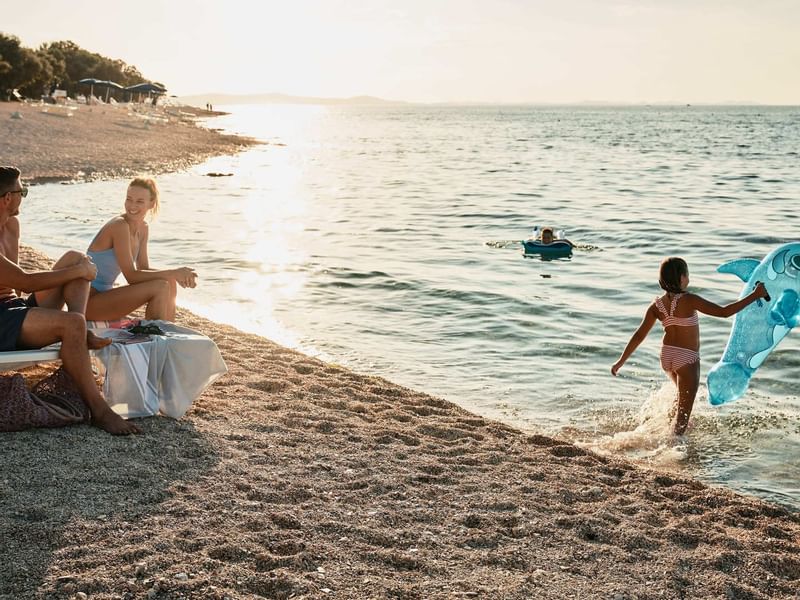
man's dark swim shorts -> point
(12, 313)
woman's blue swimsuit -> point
(108, 268)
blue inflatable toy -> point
(555, 248)
(759, 327)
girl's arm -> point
(650, 318)
(715, 310)
(140, 272)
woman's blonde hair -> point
(150, 185)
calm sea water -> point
(387, 240)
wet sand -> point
(293, 478)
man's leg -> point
(75, 294)
(42, 327)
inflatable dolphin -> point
(759, 327)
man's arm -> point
(12, 276)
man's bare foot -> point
(95, 342)
(114, 424)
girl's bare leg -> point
(688, 380)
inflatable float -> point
(759, 327)
(556, 248)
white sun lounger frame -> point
(11, 361)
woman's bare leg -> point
(172, 297)
(121, 301)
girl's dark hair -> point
(669, 275)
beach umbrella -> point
(109, 85)
(91, 82)
(146, 87)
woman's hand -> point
(616, 367)
(186, 277)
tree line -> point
(57, 65)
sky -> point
(508, 51)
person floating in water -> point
(547, 237)
(677, 311)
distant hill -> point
(202, 99)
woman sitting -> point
(121, 246)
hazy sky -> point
(441, 50)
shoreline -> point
(50, 143)
(290, 477)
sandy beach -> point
(293, 478)
(54, 143)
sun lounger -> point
(11, 361)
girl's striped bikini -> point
(676, 357)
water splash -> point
(652, 440)
(504, 243)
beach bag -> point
(53, 402)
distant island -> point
(213, 98)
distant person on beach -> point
(38, 320)
(121, 246)
(677, 311)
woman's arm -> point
(139, 271)
(650, 318)
(715, 310)
(143, 260)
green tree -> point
(14, 55)
(62, 63)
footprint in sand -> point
(269, 385)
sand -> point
(100, 142)
(293, 478)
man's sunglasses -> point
(22, 192)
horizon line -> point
(366, 98)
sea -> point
(387, 239)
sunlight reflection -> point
(233, 314)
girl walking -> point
(677, 310)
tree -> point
(62, 63)
(12, 54)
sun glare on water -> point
(269, 219)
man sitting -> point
(38, 320)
